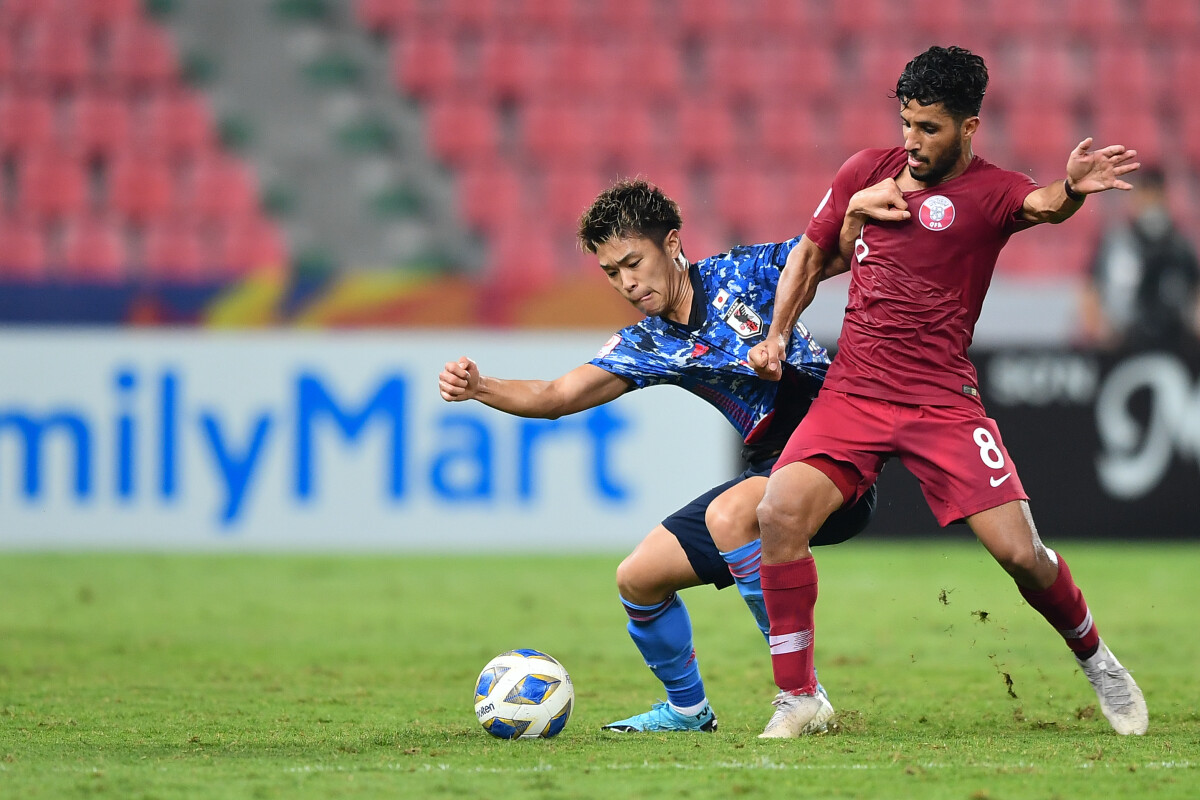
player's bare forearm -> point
(1088, 172)
(582, 388)
(807, 265)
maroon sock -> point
(790, 592)
(1063, 607)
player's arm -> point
(806, 266)
(1088, 172)
(884, 202)
(584, 387)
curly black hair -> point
(952, 76)
(628, 208)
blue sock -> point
(663, 634)
(743, 564)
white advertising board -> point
(324, 441)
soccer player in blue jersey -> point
(701, 321)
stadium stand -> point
(779, 106)
(99, 136)
(495, 116)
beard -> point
(933, 173)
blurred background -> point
(296, 168)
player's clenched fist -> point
(459, 380)
(765, 357)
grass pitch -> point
(136, 676)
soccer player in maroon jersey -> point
(924, 224)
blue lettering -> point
(603, 425)
(235, 471)
(473, 457)
(32, 430)
(313, 401)
(168, 431)
(126, 435)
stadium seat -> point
(1134, 125)
(179, 124)
(52, 183)
(787, 132)
(859, 126)
(249, 244)
(1040, 74)
(221, 188)
(174, 250)
(747, 199)
(551, 17)
(944, 21)
(575, 66)
(506, 66)
(141, 186)
(560, 132)
(705, 130)
(630, 134)
(1103, 21)
(1175, 21)
(566, 193)
(1128, 74)
(708, 19)
(23, 255)
(142, 56)
(786, 17)
(385, 16)
(59, 55)
(101, 123)
(490, 195)
(26, 121)
(463, 129)
(791, 73)
(424, 64)
(732, 70)
(106, 13)
(94, 250)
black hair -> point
(628, 208)
(952, 76)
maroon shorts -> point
(956, 453)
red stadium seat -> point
(385, 16)
(175, 250)
(506, 66)
(1040, 139)
(94, 250)
(560, 132)
(222, 187)
(733, 70)
(59, 55)
(1101, 20)
(463, 129)
(477, 15)
(142, 55)
(707, 18)
(551, 17)
(106, 13)
(792, 72)
(1171, 20)
(23, 255)
(17, 13)
(1041, 74)
(101, 123)
(861, 126)
(787, 132)
(249, 244)
(786, 17)
(26, 121)
(631, 134)
(944, 21)
(141, 186)
(1128, 74)
(575, 66)
(1134, 125)
(52, 183)
(705, 130)
(424, 63)
(179, 124)
(490, 195)
(567, 191)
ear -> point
(672, 245)
(969, 127)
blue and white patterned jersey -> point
(709, 358)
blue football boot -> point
(664, 718)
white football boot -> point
(1120, 698)
(798, 715)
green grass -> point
(142, 676)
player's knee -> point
(636, 583)
(1021, 560)
(730, 526)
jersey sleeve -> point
(825, 227)
(1004, 204)
(630, 354)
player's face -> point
(935, 142)
(644, 272)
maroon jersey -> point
(917, 286)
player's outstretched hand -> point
(765, 357)
(1092, 171)
(884, 202)
(459, 380)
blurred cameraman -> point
(1143, 290)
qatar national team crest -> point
(937, 213)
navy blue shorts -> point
(688, 526)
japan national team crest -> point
(744, 320)
(937, 213)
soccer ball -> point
(523, 694)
